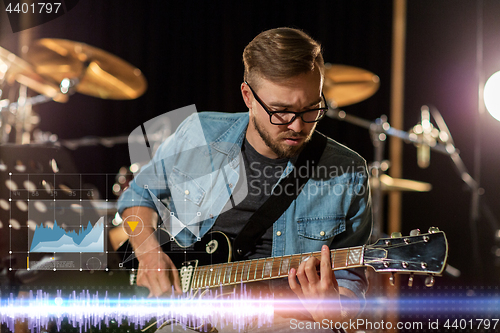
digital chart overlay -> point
(56, 239)
(54, 221)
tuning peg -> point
(415, 232)
(433, 230)
(429, 281)
(410, 280)
(392, 279)
(396, 235)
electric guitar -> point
(207, 264)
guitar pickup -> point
(186, 274)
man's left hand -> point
(319, 293)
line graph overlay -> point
(70, 233)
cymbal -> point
(13, 68)
(95, 72)
(346, 85)
(389, 184)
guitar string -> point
(372, 249)
(383, 246)
(296, 258)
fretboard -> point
(268, 268)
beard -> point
(276, 145)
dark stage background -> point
(190, 53)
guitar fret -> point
(256, 268)
(236, 272)
(216, 271)
(273, 267)
(296, 260)
(249, 267)
(347, 258)
(205, 284)
(227, 274)
(244, 272)
(220, 273)
(253, 268)
(267, 268)
(333, 259)
(216, 275)
(279, 267)
(285, 264)
(211, 270)
(213, 276)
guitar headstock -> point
(414, 254)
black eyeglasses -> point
(288, 117)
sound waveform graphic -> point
(56, 239)
(84, 310)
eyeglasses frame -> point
(296, 114)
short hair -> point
(280, 54)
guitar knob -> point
(396, 234)
(410, 280)
(429, 281)
(433, 230)
(392, 279)
(415, 232)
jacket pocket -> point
(321, 228)
(186, 185)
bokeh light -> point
(492, 95)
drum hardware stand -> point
(379, 130)
(23, 117)
(19, 113)
(378, 138)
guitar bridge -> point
(186, 274)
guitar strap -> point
(277, 204)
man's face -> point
(297, 94)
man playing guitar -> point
(219, 168)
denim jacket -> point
(195, 170)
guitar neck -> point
(232, 273)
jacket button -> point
(186, 192)
(230, 185)
(278, 233)
(211, 216)
(322, 233)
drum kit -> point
(55, 69)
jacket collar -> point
(230, 142)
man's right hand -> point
(158, 273)
(156, 270)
